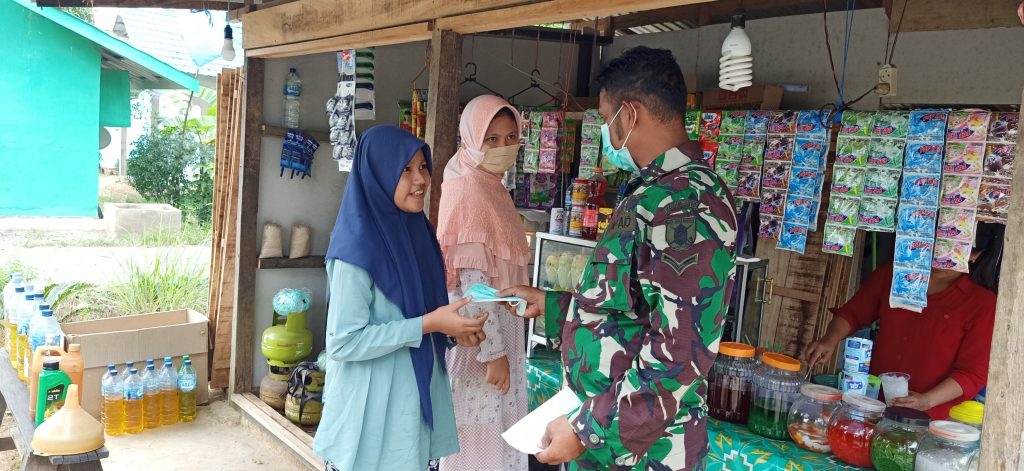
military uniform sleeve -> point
(556, 305)
(684, 268)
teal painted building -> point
(61, 79)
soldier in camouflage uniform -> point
(644, 323)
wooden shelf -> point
(312, 261)
(322, 136)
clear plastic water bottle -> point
(152, 399)
(112, 388)
(186, 391)
(169, 391)
(134, 391)
(292, 90)
(11, 324)
(127, 369)
(42, 327)
(8, 293)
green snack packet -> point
(877, 214)
(847, 181)
(856, 123)
(881, 183)
(838, 240)
(891, 124)
(843, 211)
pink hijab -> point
(478, 226)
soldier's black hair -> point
(650, 76)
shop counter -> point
(734, 448)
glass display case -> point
(751, 292)
(558, 264)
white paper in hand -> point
(526, 434)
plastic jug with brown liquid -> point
(69, 431)
(37, 367)
(73, 365)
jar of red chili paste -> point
(851, 427)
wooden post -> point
(442, 107)
(243, 327)
(1003, 436)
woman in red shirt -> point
(945, 348)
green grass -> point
(191, 234)
(167, 282)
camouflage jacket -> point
(643, 326)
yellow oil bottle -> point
(113, 403)
(133, 393)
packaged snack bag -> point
(793, 238)
(892, 124)
(923, 157)
(881, 183)
(809, 153)
(757, 122)
(920, 189)
(838, 240)
(913, 252)
(773, 202)
(809, 123)
(803, 181)
(775, 174)
(843, 211)
(964, 158)
(734, 122)
(927, 125)
(779, 148)
(856, 123)
(1004, 127)
(916, 221)
(956, 224)
(909, 289)
(877, 214)
(886, 153)
(960, 191)
(769, 227)
(999, 159)
(847, 181)
(782, 122)
(952, 255)
(967, 125)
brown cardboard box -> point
(139, 338)
(762, 97)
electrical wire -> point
(830, 110)
(850, 7)
(828, 45)
(899, 26)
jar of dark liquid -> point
(776, 387)
(729, 382)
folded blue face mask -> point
(482, 293)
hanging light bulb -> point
(228, 51)
(736, 67)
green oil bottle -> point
(52, 389)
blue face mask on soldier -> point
(618, 157)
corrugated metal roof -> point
(159, 33)
(145, 70)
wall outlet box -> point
(887, 81)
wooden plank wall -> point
(806, 286)
(225, 228)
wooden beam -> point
(549, 12)
(721, 11)
(380, 37)
(174, 4)
(941, 15)
(442, 107)
(244, 326)
(1003, 436)
(315, 19)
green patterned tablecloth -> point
(734, 448)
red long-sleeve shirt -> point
(951, 338)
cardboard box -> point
(139, 338)
(760, 97)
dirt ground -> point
(220, 438)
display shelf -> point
(312, 261)
(546, 245)
(278, 131)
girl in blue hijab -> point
(387, 401)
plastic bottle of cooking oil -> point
(133, 393)
(113, 402)
(28, 308)
(11, 322)
(10, 301)
(186, 391)
(151, 397)
(169, 391)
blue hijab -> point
(399, 250)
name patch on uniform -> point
(624, 221)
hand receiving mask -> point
(485, 294)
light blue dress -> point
(371, 416)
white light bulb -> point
(228, 51)
(736, 67)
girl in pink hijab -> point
(483, 241)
